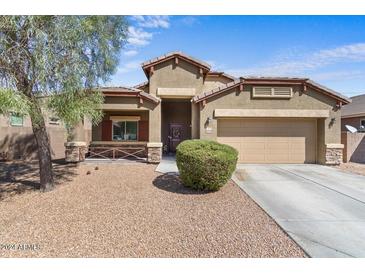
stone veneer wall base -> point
(75, 152)
(154, 153)
(334, 154)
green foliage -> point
(205, 165)
(60, 57)
(11, 101)
(72, 106)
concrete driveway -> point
(321, 208)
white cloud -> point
(157, 21)
(340, 75)
(138, 37)
(352, 52)
(130, 53)
(215, 66)
(307, 63)
(128, 67)
(189, 20)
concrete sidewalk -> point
(321, 208)
(167, 165)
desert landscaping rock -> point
(132, 211)
(353, 167)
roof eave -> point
(353, 115)
(132, 93)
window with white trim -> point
(54, 120)
(125, 128)
(16, 120)
(272, 92)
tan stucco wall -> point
(126, 103)
(119, 104)
(181, 75)
(19, 143)
(212, 82)
(195, 121)
(171, 75)
(234, 99)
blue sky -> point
(327, 49)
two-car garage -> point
(274, 120)
(270, 140)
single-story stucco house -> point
(267, 119)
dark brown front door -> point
(175, 136)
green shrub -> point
(205, 165)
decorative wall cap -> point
(154, 144)
(335, 146)
(75, 144)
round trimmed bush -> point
(205, 165)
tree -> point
(62, 58)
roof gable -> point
(146, 66)
(272, 81)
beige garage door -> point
(270, 140)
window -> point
(125, 130)
(54, 121)
(16, 120)
(272, 92)
(362, 124)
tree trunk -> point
(39, 128)
(44, 151)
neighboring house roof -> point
(271, 80)
(150, 63)
(141, 85)
(356, 108)
(129, 92)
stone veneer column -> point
(75, 152)
(76, 148)
(334, 154)
(154, 153)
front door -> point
(175, 136)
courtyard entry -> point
(175, 123)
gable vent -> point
(269, 92)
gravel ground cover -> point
(353, 167)
(129, 210)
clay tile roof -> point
(344, 98)
(140, 85)
(132, 90)
(120, 89)
(273, 78)
(355, 108)
(216, 91)
(221, 73)
(173, 54)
